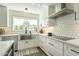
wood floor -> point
(30, 52)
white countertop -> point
(74, 42)
(4, 46)
(51, 37)
(8, 35)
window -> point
(22, 24)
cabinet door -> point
(24, 44)
(3, 16)
(56, 47)
(44, 44)
(76, 9)
(51, 9)
(70, 50)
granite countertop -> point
(4, 46)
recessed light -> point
(26, 8)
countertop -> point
(4, 46)
(58, 38)
(8, 35)
(74, 42)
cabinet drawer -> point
(56, 47)
(71, 50)
(56, 44)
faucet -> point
(30, 34)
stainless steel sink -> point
(27, 36)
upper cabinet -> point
(76, 9)
(60, 9)
(3, 16)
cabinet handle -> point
(51, 44)
(74, 51)
(26, 41)
(75, 16)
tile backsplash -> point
(66, 26)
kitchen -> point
(39, 29)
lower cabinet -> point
(24, 44)
(56, 48)
(51, 46)
(70, 50)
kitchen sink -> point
(26, 37)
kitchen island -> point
(7, 48)
(7, 37)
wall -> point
(41, 10)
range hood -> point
(64, 9)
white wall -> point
(41, 10)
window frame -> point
(20, 18)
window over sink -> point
(22, 24)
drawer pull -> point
(51, 44)
(74, 51)
(26, 41)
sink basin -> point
(26, 37)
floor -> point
(30, 52)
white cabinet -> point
(28, 43)
(43, 43)
(3, 16)
(76, 9)
(70, 50)
(56, 47)
(24, 44)
(51, 9)
(51, 46)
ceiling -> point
(30, 4)
(35, 7)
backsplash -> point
(48, 29)
(6, 30)
(66, 26)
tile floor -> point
(30, 52)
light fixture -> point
(26, 8)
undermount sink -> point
(26, 36)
